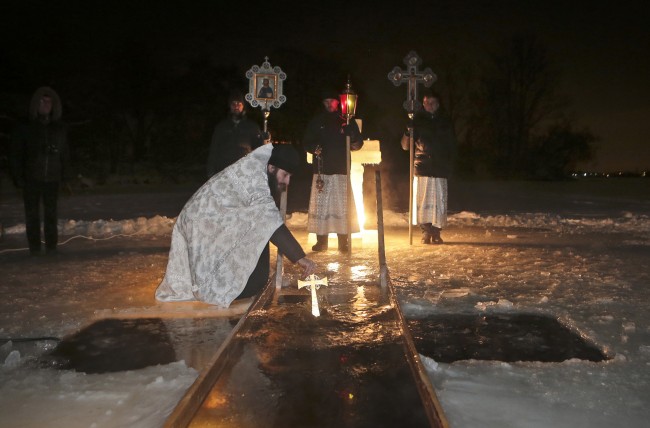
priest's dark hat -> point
(286, 157)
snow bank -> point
(160, 225)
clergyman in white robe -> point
(220, 233)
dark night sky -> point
(600, 47)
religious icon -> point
(264, 85)
(265, 88)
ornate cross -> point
(313, 282)
(412, 77)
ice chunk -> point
(13, 360)
(429, 363)
(455, 292)
(504, 303)
(629, 327)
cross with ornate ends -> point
(313, 282)
(412, 77)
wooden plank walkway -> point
(281, 366)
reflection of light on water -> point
(360, 302)
(214, 400)
(333, 267)
(358, 272)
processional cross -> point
(265, 90)
(412, 77)
(313, 282)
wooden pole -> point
(383, 268)
(279, 268)
(349, 190)
(411, 176)
(267, 113)
(190, 403)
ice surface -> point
(585, 264)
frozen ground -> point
(577, 251)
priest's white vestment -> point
(220, 233)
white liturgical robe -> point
(220, 233)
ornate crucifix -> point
(412, 77)
(313, 282)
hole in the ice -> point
(113, 345)
(500, 337)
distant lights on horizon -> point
(609, 174)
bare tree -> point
(518, 100)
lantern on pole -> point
(348, 102)
(348, 109)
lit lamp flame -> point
(348, 102)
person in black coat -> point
(435, 152)
(234, 137)
(325, 138)
(40, 161)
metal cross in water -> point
(313, 282)
(412, 77)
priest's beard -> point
(275, 187)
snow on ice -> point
(590, 272)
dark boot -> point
(426, 233)
(321, 243)
(343, 243)
(435, 235)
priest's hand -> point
(308, 267)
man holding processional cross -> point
(431, 142)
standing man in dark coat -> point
(234, 137)
(435, 152)
(325, 138)
(40, 161)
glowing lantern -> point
(348, 102)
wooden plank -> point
(432, 405)
(186, 408)
(434, 410)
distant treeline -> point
(140, 105)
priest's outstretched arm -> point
(287, 245)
